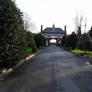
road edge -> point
(89, 61)
(10, 70)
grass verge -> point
(78, 52)
(41, 47)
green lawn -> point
(41, 47)
(29, 50)
(77, 52)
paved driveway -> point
(52, 70)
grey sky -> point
(59, 12)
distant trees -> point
(64, 40)
(28, 25)
(70, 40)
(12, 34)
(30, 41)
(77, 40)
(84, 42)
(39, 40)
(74, 40)
(90, 32)
(78, 24)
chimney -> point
(53, 26)
(65, 29)
(41, 28)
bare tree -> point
(78, 22)
(28, 24)
(85, 24)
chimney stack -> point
(41, 28)
(65, 29)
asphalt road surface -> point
(52, 70)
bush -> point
(39, 40)
(64, 40)
(30, 41)
(84, 42)
(90, 32)
(12, 35)
(71, 40)
(68, 41)
(29, 51)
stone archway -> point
(53, 33)
(53, 41)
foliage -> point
(71, 40)
(67, 48)
(68, 41)
(12, 34)
(29, 51)
(90, 32)
(84, 42)
(74, 40)
(41, 47)
(39, 39)
(64, 40)
(30, 41)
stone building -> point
(53, 33)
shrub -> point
(12, 34)
(84, 42)
(71, 40)
(30, 41)
(39, 39)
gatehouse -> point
(53, 33)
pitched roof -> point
(53, 30)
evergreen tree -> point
(90, 32)
(12, 34)
(64, 40)
(74, 40)
(39, 40)
(84, 42)
(68, 41)
(30, 41)
(71, 40)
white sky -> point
(59, 12)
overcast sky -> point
(59, 12)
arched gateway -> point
(53, 33)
